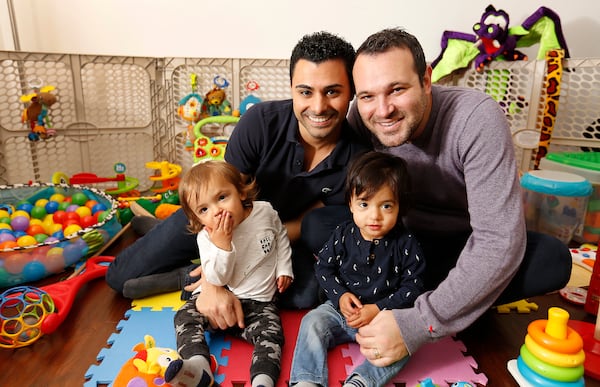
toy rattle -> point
(27, 313)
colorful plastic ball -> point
(51, 207)
(70, 222)
(54, 261)
(19, 233)
(5, 226)
(4, 213)
(25, 206)
(72, 216)
(57, 197)
(40, 237)
(6, 245)
(38, 212)
(33, 271)
(5, 219)
(34, 229)
(64, 204)
(72, 208)
(51, 239)
(58, 234)
(91, 203)
(72, 253)
(7, 236)
(41, 202)
(26, 240)
(15, 262)
(54, 228)
(79, 198)
(98, 208)
(5, 277)
(19, 223)
(103, 215)
(72, 229)
(20, 213)
(83, 211)
(87, 221)
(35, 221)
(59, 216)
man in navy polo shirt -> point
(298, 151)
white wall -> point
(260, 28)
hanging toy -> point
(215, 101)
(36, 114)
(250, 99)
(189, 109)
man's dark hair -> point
(322, 46)
(389, 38)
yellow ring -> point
(572, 344)
(549, 371)
(554, 358)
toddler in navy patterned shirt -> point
(369, 263)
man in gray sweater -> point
(466, 208)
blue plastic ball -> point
(51, 207)
(72, 253)
(98, 208)
(33, 271)
(25, 206)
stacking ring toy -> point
(550, 371)
(540, 381)
(571, 344)
(554, 358)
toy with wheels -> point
(125, 184)
(211, 148)
(45, 228)
(27, 313)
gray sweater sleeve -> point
(479, 146)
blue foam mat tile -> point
(130, 331)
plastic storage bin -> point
(586, 164)
(555, 202)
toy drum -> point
(555, 202)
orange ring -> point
(572, 344)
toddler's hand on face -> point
(222, 234)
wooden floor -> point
(63, 357)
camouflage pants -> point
(263, 330)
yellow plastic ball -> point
(26, 240)
(83, 211)
(54, 227)
(20, 213)
(72, 229)
(36, 221)
(41, 202)
(57, 197)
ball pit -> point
(45, 228)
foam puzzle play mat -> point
(444, 362)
